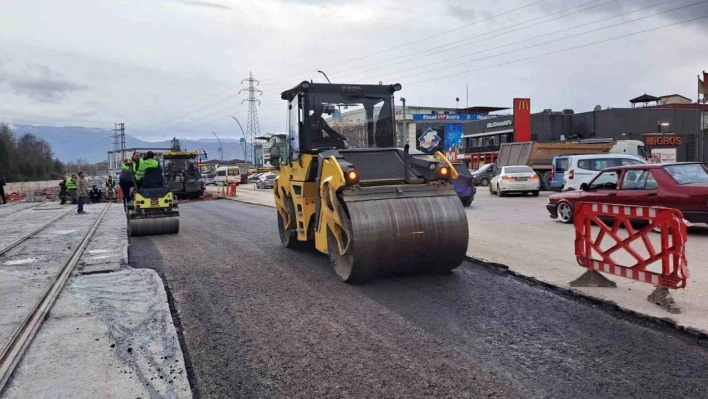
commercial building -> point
(668, 125)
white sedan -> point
(515, 179)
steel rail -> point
(21, 339)
(30, 234)
(14, 212)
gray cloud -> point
(49, 90)
(199, 3)
(41, 83)
(469, 14)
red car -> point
(683, 186)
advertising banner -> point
(430, 136)
(453, 136)
(446, 117)
(662, 155)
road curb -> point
(602, 303)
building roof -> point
(481, 109)
(644, 98)
(676, 95)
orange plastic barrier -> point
(672, 254)
(232, 190)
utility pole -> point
(253, 129)
(122, 141)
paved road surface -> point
(263, 321)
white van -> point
(227, 175)
(583, 168)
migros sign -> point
(664, 140)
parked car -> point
(210, 179)
(483, 175)
(227, 175)
(683, 186)
(583, 168)
(464, 184)
(518, 179)
(266, 180)
(254, 177)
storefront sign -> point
(445, 117)
(522, 119)
(493, 125)
(664, 140)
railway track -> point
(21, 339)
(13, 212)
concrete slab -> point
(108, 335)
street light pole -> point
(221, 148)
(243, 145)
(404, 132)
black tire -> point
(484, 182)
(546, 180)
(535, 193)
(288, 234)
(467, 201)
(344, 266)
(500, 193)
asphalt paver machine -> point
(183, 174)
(345, 187)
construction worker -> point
(125, 180)
(149, 162)
(82, 191)
(136, 162)
(63, 194)
(71, 188)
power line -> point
(560, 51)
(418, 40)
(427, 53)
(170, 114)
(466, 43)
(544, 43)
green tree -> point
(27, 158)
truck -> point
(539, 155)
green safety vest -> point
(125, 167)
(70, 185)
(144, 165)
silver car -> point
(265, 180)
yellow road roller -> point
(152, 209)
(343, 185)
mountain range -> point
(71, 143)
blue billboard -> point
(453, 136)
(446, 117)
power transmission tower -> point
(253, 129)
(116, 138)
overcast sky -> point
(174, 67)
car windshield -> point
(484, 168)
(688, 174)
(518, 169)
(363, 121)
(461, 169)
